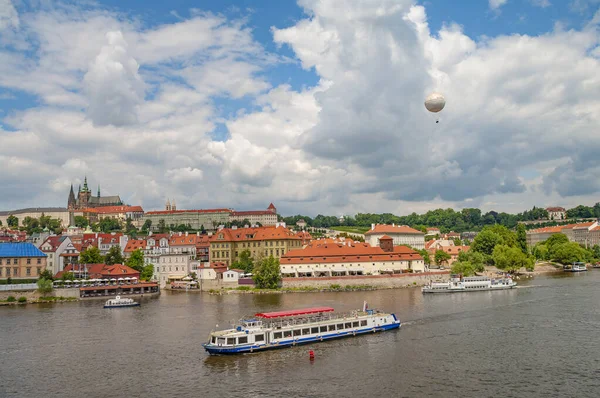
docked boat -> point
(119, 302)
(458, 283)
(575, 267)
(270, 330)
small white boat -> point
(575, 267)
(457, 283)
(119, 302)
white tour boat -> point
(575, 267)
(270, 330)
(119, 302)
(458, 283)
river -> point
(539, 340)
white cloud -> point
(496, 4)
(9, 17)
(541, 3)
(359, 140)
(113, 85)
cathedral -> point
(85, 199)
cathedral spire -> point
(98, 190)
(85, 186)
(71, 200)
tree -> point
(463, 267)
(568, 253)
(475, 259)
(245, 261)
(457, 242)
(162, 228)
(12, 221)
(486, 241)
(44, 285)
(425, 254)
(267, 274)
(147, 225)
(91, 255)
(108, 224)
(81, 222)
(522, 237)
(147, 272)
(114, 256)
(68, 276)
(129, 227)
(135, 261)
(46, 274)
(511, 259)
(540, 251)
(441, 257)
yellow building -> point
(21, 260)
(227, 244)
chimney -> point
(186, 233)
(372, 227)
(393, 225)
(179, 233)
(198, 233)
(149, 233)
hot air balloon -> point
(434, 103)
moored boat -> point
(270, 330)
(458, 283)
(577, 266)
(119, 302)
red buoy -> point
(311, 355)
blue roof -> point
(20, 250)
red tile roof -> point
(555, 209)
(52, 241)
(188, 211)
(190, 240)
(118, 209)
(253, 234)
(393, 229)
(134, 244)
(385, 237)
(334, 253)
(102, 271)
(252, 213)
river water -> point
(539, 340)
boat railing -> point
(304, 320)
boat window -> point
(340, 326)
(243, 340)
(277, 335)
(348, 325)
(230, 341)
(314, 330)
(297, 332)
(287, 333)
(259, 337)
(221, 340)
(355, 324)
(306, 331)
(214, 340)
(323, 329)
(363, 323)
(331, 327)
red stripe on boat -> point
(305, 311)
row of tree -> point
(447, 220)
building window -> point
(15, 271)
(8, 272)
(28, 271)
(39, 270)
(15, 261)
(28, 262)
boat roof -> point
(304, 311)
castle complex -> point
(85, 199)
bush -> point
(11, 299)
(335, 286)
(244, 288)
(22, 299)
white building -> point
(171, 267)
(350, 259)
(401, 235)
(232, 275)
(556, 213)
(54, 247)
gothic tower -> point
(71, 203)
(84, 195)
(168, 205)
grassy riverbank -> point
(301, 289)
(11, 300)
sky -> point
(314, 105)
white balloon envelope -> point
(435, 102)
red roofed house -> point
(400, 234)
(263, 217)
(99, 271)
(54, 246)
(452, 250)
(121, 213)
(133, 245)
(351, 259)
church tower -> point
(98, 191)
(168, 205)
(173, 206)
(71, 203)
(84, 195)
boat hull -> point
(123, 305)
(216, 350)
